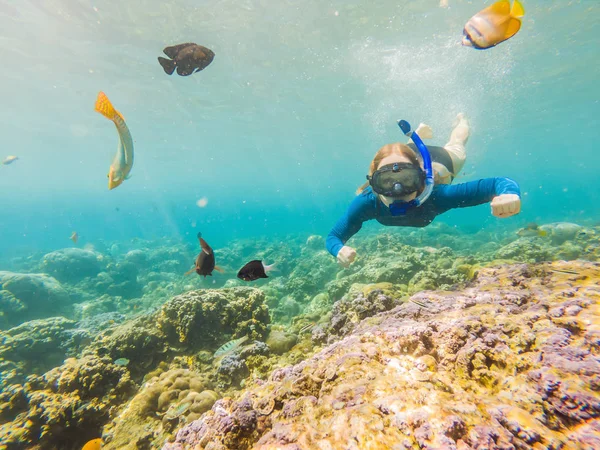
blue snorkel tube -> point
(400, 208)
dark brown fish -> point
(254, 270)
(186, 58)
(205, 262)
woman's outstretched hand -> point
(505, 205)
(346, 256)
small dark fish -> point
(254, 270)
(187, 58)
(205, 262)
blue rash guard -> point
(367, 206)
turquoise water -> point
(274, 137)
(279, 130)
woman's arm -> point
(360, 210)
(473, 193)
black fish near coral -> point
(205, 262)
(254, 270)
(186, 58)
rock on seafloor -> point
(508, 363)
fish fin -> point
(183, 71)
(218, 269)
(173, 50)
(204, 246)
(270, 268)
(513, 27)
(517, 9)
(167, 65)
(190, 271)
(105, 107)
(501, 7)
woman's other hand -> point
(346, 256)
(505, 205)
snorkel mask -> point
(400, 179)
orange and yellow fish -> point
(123, 160)
(94, 444)
(493, 25)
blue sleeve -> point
(360, 210)
(448, 196)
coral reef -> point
(72, 264)
(74, 401)
(510, 362)
(280, 342)
(33, 348)
(27, 296)
(66, 406)
(351, 309)
(165, 401)
(203, 317)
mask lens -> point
(392, 183)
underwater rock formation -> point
(510, 362)
(28, 296)
(72, 264)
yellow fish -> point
(74, 237)
(94, 444)
(123, 160)
(493, 25)
(532, 230)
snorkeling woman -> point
(409, 189)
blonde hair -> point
(390, 149)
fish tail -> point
(105, 107)
(219, 269)
(517, 9)
(269, 268)
(190, 271)
(167, 65)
